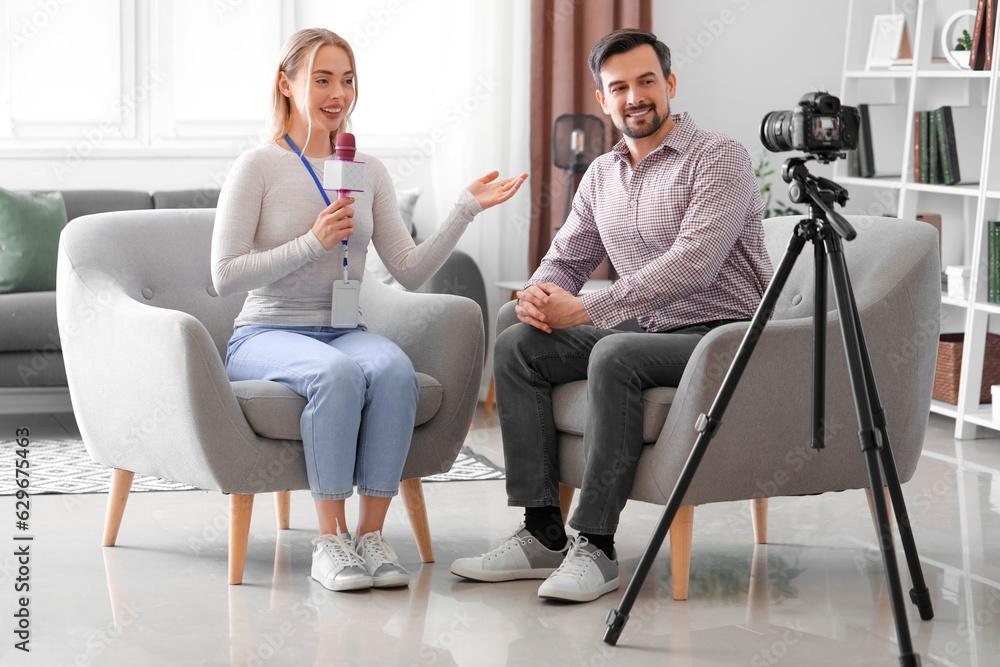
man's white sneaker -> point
(336, 565)
(380, 561)
(585, 574)
(520, 556)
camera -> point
(820, 125)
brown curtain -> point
(562, 34)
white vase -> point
(960, 59)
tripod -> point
(824, 228)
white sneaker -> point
(336, 565)
(520, 556)
(585, 574)
(380, 561)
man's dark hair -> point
(622, 41)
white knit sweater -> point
(263, 241)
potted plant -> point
(761, 171)
(958, 51)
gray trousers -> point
(618, 366)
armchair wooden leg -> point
(681, 531)
(416, 508)
(240, 509)
(758, 516)
(888, 505)
(121, 484)
(565, 500)
(283, 507)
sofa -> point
(32, 372)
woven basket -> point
(949, 366)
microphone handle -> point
(340, 195)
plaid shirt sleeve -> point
(721, 196)
(577, 249)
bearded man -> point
(678, 211)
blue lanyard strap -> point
(309, 167)
(321, 190)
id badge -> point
(344, 309)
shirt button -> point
(633, 203)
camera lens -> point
(776, 131)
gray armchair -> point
(762, 448)
(144, 336)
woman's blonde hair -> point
(300, 49)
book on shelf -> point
(994, 226)
(916, 146)
(977, 58)
(947, 150)
(992, 262)
(989, 27)
(934, 159)
(866, 156)
(925, 171)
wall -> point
(736, 60)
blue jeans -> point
(362, 401)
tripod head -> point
(819, 193)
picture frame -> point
(886, 43)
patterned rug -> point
(63, 466)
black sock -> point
(605, 543)
(546, 524)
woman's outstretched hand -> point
(489, 192)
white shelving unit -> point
(893, 96)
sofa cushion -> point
(569, 403)
(185, 199)
(30, 224)
(28, 322)
(37, 368)
(273, 410)
(87, 202)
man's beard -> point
(654, 122)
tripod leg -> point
(819, 349)
(869, 443)
(919, 594)
(707, 425)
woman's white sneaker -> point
(380, 561)
(584, 575)
(336, 565)
(520, 556)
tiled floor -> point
(813, 596)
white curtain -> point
(488, 128)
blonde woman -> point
(277, 238)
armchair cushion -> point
(569, 405)
(273, 410)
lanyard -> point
(321, 190)
(309, 167)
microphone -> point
(343, 174)
(576, 142)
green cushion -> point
(30, 224)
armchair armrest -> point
(148, 387)
(442, 334)
(506, 317)
(762, 448)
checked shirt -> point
(683, 230)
